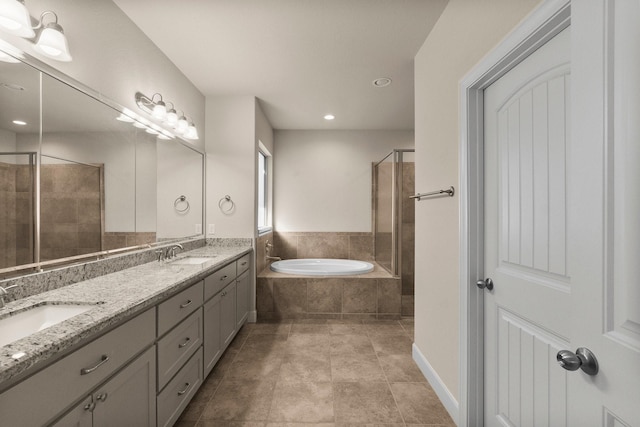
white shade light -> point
(52, 42)
(182, 126)
(15, 19)
(159, 110)
(172, 118)
(191, 132)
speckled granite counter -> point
(117, 296)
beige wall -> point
(465, 32)
(322, 179)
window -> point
(264, 185)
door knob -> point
(583, 359)
(486, 283)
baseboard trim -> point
(450, 403)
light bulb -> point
(182, 125)
(53, 43)
(172, 118)
(191, 132)
(159, 110)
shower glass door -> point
(383, 212)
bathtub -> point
(322, 267)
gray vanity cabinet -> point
(212, 335)
(242, 298)
(129, 398)
(59, 385)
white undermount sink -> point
(192, 260)
(37, 318)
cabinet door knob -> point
(184, 344)
(186, 304)
(102, 396)
(223, 278)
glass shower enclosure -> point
(393, 214)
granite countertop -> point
(117, 296)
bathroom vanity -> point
(136, 357)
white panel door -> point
(527, 130)
(606, 211)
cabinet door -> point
(228, 314)
(242, 299)
(80, 416)
(212, 337)
(129, 398)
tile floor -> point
(315, 372)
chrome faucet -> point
(169, 252)
(3, 293)
(268, 246)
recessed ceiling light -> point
(382, 82)
(329, 117)
(19, 122)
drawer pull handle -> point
(102, 397)
(184, 344)
(186, 304)
(223, 294)
(90, 406)
(243, 264)
(223, 278)
(104, 359)
(184, 390)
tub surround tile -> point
(389, 296)
(324, 295)
(359, 296)
(323, 246)
(290, 298)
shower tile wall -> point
(71, 210)
(15, 215)
(345, 245)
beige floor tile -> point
(310, 328)
(265, 344)
(240, 401)
(349, 328)
(391, 344)
(195, 408)
(365, 403)
(419, 404)
(278, 328)
(247, 366)
(356, 367)
(384, 327)
(351, 344)
(307, 402)
(308, 343)
(400, 368)
(305, 367)
(204, 423)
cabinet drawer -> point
(218, 280)
(243, 264)
(176, 308)
(177, 346)
(57, 386)
(175, 397)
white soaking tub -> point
(322, 267)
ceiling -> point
(301, 58)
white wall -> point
(231, 165)
(322, 179)
(465, 32)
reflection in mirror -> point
(103, 184)
(19, 94)
(180, 172)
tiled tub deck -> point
(375, 295)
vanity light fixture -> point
(15, 18)
(50, 39)
(158, 110)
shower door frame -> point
(396, 208)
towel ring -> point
(226, 200)
(181, 199)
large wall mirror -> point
(77, 182)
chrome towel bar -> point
(451, 191)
